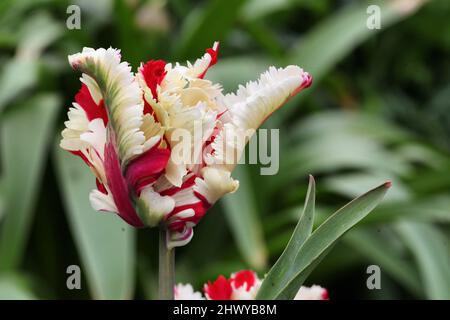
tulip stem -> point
(166, 267)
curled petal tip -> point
(308, 80)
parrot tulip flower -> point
(126, 127)
(242, 285)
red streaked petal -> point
(93, 111)
(82, 156)
(219, 289)
(118, 187)
(100, 186)
(244, 277)
(153, 72)
(199, 208)
(213, 52)
(148, 109)
(186, 184)
(190, 206)
(146, 168)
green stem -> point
(166, 267)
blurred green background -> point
(379, 109)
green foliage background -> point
(379, 109)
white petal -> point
(314, 292)
(102, 202)
(215, 184)
(77, 124)
(175, 172)
(94, 90)
(96, 136)
(186, 292)
(179, 239)
(243, 294)
(156, 206)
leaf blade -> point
(25, 131)
(301, 232)
(321, 239)
(431, 251)
(241, 213)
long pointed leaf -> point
(25, 136)
(320, 240)
(301, 233)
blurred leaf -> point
(13, 287)
(231, 72)
(319, 241)
(105, 243)
(25, 135)
(432, 253)
(255, 9)
(241, 212)
(2, 200)
(21, 73)
(301, 233)
(381, 251)
(329, 141)
(349, 123)
(435, 208)
(334, 151)
(349, 185)
(206, 25)
(38, 32)
(17, 75)
(334, 38)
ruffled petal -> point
(252, 104)
(121, 95)
(314, 292)
(186, 292)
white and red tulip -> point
(242, 285)
(125, 127)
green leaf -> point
(380, 250)
(256, 9)
(241, 213)
(17, 76)
(38, 32)
(105, 243)
(206, 25)
(25, 134)
(21, 73)
(337, 36)
(319, 241)
(432, 253)
(14, 287)
(231, 72)
(334, 38)
(301, 232)
(2, 200)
